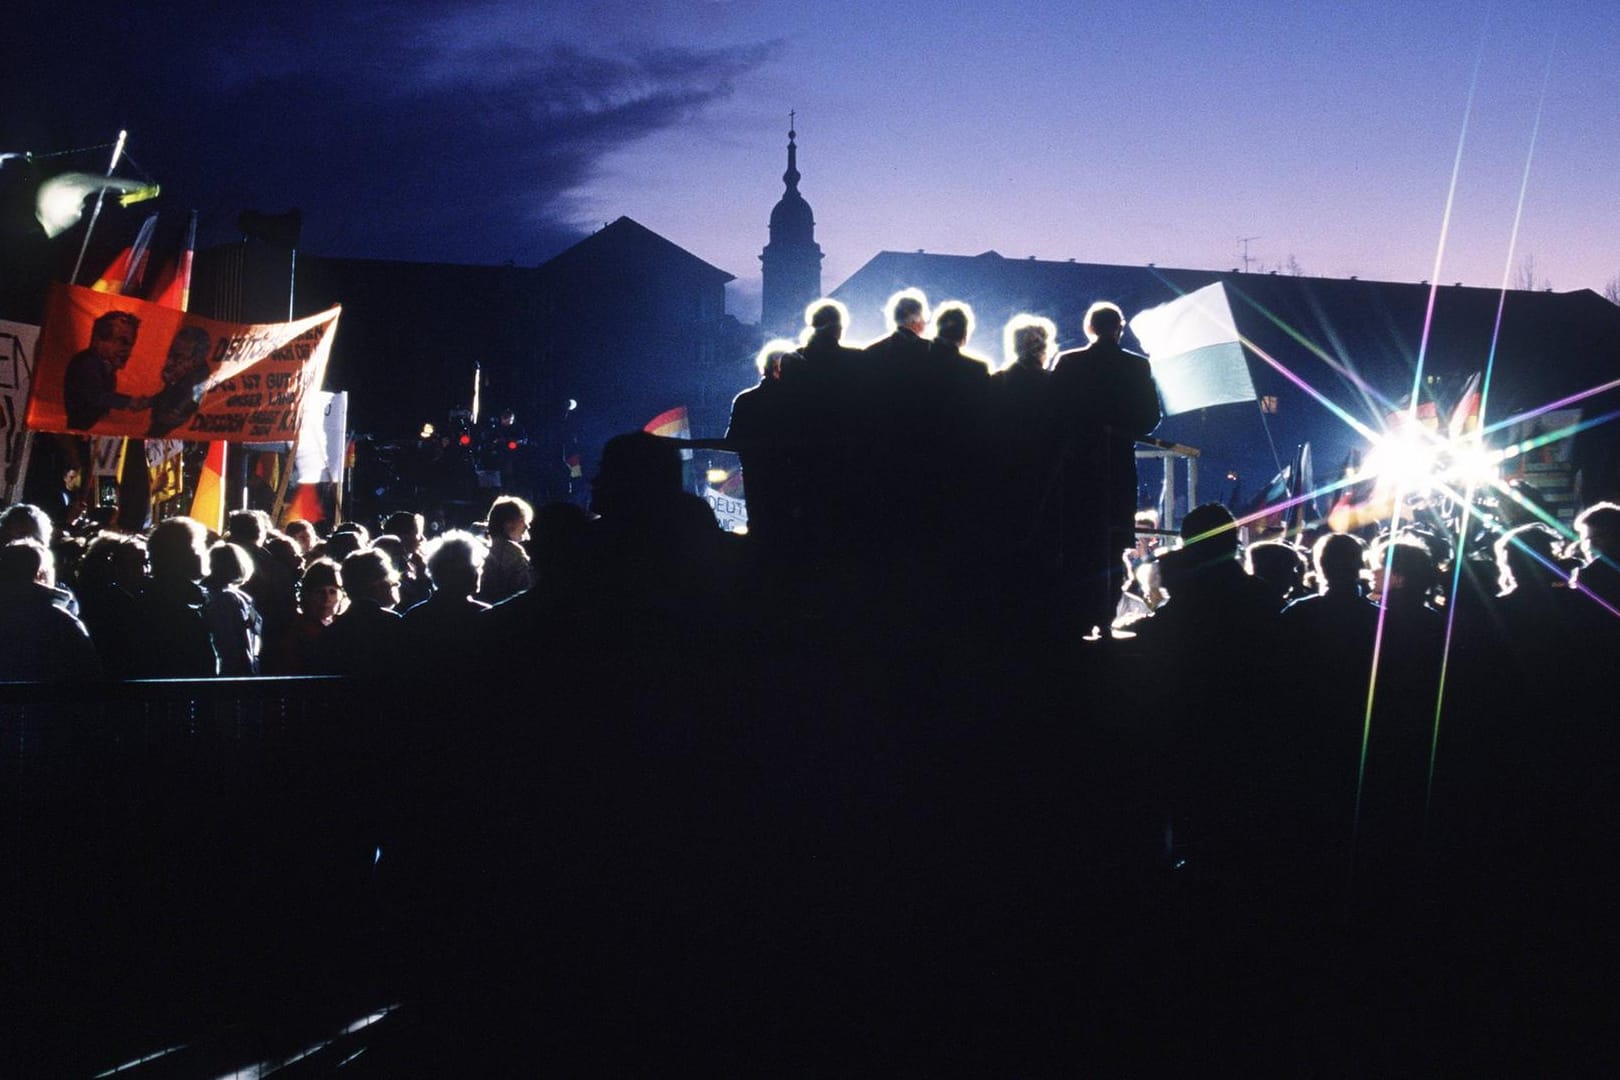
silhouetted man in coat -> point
(905, 348)
(945, 405)
(886, 417)
(1106, 401)
(767, 423)
(834, 400)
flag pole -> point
(287, 468)
(181, 284)
(118, 152)
(28, 437)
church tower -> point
(791, 262)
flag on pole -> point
(1465, 414)
(1196, 351)
(1359, 504)
(305, 503)
(123, 275)
(165, 469)
(59, 203)
(1268, 502)
(671, 424)
(1302, 487)
(208, 504)
(1426, 415)
(173, 287)
(321, 456)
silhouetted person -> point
(345, 540)
(1106, 401)
(546, 617)
(365, 640)
(896, 422)
(414, 585)
(112, 576)
(835, 424)
(905, 350)
(273, 585)
(1404, 579)
(656, 548)
(25, 521)
(768, 426)
(826, 358)
(1206, 651)
(1399, 715)
(293, 651)
(1019, 460)
(444, 628)
(1340, 606)
(1536, 623)
(506, 570)
(302, 533)
(960, 375)
(1214, 604)
(234, 621)
(1279, 565)
(173, 639)
(1328, 637)
(1598, 527)
(44, 643)
(949, 396)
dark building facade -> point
(790, 265)
(625, 324)
(632, 325)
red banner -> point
(114, 365)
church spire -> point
(791, 177)
(791, 262)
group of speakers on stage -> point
(914, 446)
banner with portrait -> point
(114, 365)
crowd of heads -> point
(287, 585)
(182, 601)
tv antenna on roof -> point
(1244, 240)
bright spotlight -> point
(1472, 465)
(1407, 459)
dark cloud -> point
(397, 132)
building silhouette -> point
(624, 323)
(631, 325)
(790, 265)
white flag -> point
(1197, 358)
(321, 442)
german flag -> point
(672, 424)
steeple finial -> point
(791, 177)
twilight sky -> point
(487, 132)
